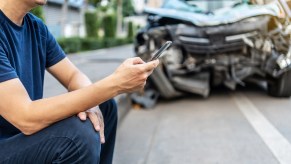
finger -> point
(94, 119)
(150, 65)
(101, 121)
(137, 60)
(102, 137)
(155, 63)
(143, 85)
(82, 116)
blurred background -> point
(221, 94)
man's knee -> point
(82, 133)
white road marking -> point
(276, 142)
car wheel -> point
(280, 87)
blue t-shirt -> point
(25, 52)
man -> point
(37, 130)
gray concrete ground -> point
(241, 127)
(204, 131)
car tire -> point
(280, 87)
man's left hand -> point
(97, 120)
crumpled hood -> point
(219, 17)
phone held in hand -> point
(161, 51)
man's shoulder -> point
(37, 22)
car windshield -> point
(200, 5)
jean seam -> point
(54, 137)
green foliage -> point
(128, 9)
(94, 2)
(109, 25)
(130, 30)
(103, 8)
(70, 45)
(113, 42)
(91, 44)
(76, 44)
(91, 24)
(38, 11)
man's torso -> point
(26, 49)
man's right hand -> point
(132, 74)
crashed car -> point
(227, 43)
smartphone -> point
(161, 50)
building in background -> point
(139, 5)
(74, 21)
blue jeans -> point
(68, 141)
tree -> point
(38, 11)
(109, 25)
(119, 16)
(64, 16)
(130, 30)
(94, 2)
(128, 8)
(91, 24)
(124, 8)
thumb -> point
(150, 65)
(137, 60)
(153, 64)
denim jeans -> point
(68, 141)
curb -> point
(124, 105)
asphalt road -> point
(230, 127)
(194, 130)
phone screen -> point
(161, 50)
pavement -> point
(230, 127)
(241, 127)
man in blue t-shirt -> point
(38, 130)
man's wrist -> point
(112, 85)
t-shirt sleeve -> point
(7, 72)
(54, 52)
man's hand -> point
(132, 74)
(96, 118)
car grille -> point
(215, 43)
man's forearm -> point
(53, 109)
(78, 81)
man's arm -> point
(69, 75)
(32, 116)
(73, 79)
